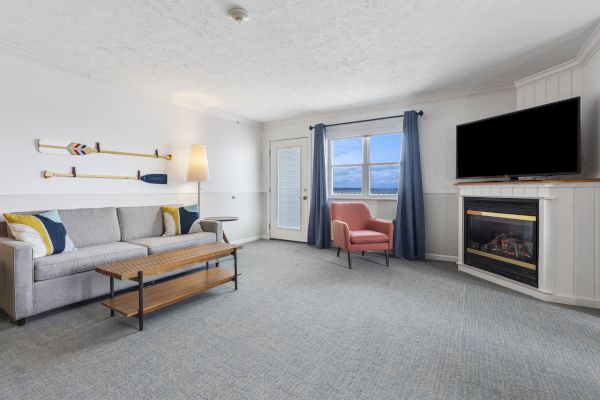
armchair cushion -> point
(366, 236)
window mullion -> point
(365, 170)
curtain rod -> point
(366, 120)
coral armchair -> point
(355, 230)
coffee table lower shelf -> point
(170, 292)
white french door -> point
(288, 189)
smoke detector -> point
(238, 14)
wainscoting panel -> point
(584, 238)
(564, 87)
(565, 257)
(552, 89)
(441, 219)
(560, 86)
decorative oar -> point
(160, 179)
(80, 149)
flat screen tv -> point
(539, 141)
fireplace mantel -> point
(569, 237)
(529, 182)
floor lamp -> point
(198, 167)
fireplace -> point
(501, 236)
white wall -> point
(437, 134)
(590, 110)
(40, 101)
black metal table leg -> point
(112, 294)
(235, 268)
(141, 300)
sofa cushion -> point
(91, 226)
(157, 245)
(368, 237)
(140, 222)
(84, 259)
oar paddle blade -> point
(72, 148)
(159, 179)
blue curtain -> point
(409, 228)
(319, 226)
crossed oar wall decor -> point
(160, 179)
(80, 149)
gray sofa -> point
(31, 286)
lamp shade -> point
(198, 164)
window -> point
(365, 165)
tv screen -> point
(535, 142)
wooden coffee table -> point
(143, 301)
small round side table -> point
(223, 219)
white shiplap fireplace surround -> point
(569, 238)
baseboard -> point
(250, 239)
(440, 257)
(526, 289)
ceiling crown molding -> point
(587, 51)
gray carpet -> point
(302, 326)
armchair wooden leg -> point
(387, 258)
(338, 252)
(363, 253)
(349, 260)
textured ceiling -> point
(297, 57)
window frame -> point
(365, 167)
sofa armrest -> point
(16, 278)
(215, 227)
(341, 234)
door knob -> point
(304, 197)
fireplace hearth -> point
(501, 236)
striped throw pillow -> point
(181, 220)
(44, 231)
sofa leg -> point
(349, 260)
(20, 322)
(338, 252)
(387, 258)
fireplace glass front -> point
(501, 237)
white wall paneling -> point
(549, 89)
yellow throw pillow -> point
(181, 220)
(45, 232)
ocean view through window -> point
(365, 165)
